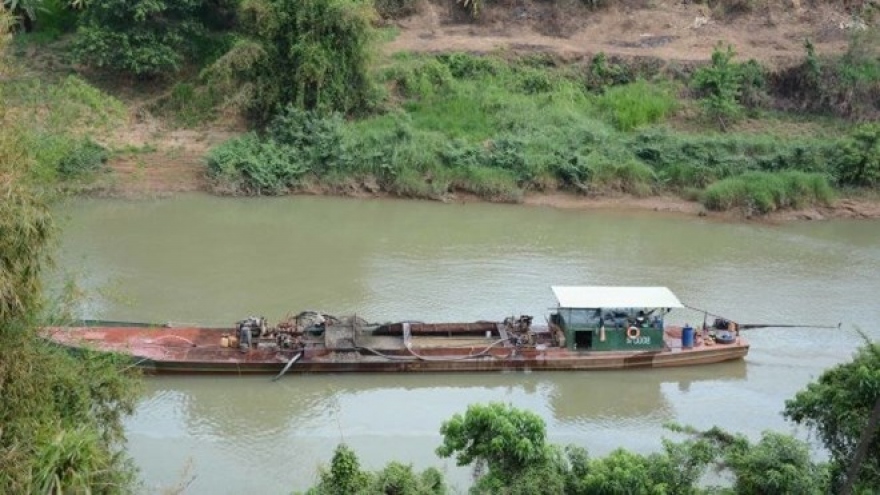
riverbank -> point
(613, 124)
(174, 164)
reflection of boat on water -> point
(255, 405)
(593, 328)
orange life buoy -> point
(633, 333)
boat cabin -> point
(612, 318)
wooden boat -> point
(593, 328)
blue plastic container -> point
(687, 337)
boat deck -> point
(189, 350)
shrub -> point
(636, 104)
(719, 84)
(421, 80)
(468, 66)
(250, 165)
(316, 140)
(846, 85)
(143, 38)
(858, 158)
(86, 157)
(602, 73)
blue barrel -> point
(687, 337)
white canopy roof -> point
(615, 297)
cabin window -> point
(583, 317)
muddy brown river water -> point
(208, 260)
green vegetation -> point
(313, 54)
(143, 38)
(60, 415)
(508, 449)
(346, 477)
(497, 126)
(837, 407)
(763, 192)
(636, 105)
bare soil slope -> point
(672, 31)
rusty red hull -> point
(200, 350)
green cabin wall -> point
(650, 336)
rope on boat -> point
(460, 358)
(425, 358)
(136, 364)
(707, 312)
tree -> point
(507, 439)
(345, 477)
(721, 85)
(312, 54)
(674, 471)
(837, 407)
(778, 464)
(143, 38)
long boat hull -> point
(473, 347)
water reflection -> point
(243, 407)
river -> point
(209, 260)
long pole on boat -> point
(746, 326)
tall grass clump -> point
(764, 192)
(637, 104)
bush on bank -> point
(496, 129)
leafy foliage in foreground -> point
(837, 407)
(507, 448)
(60, 416)
(345, 476)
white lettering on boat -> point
(645, 340)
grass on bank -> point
(498, 128)
(763, 192)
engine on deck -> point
(519, 330)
